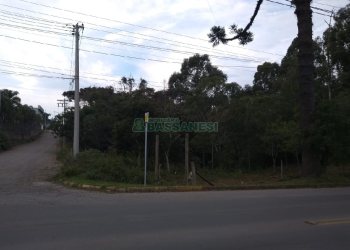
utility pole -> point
(76, 30)
(62, 103)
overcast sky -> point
(124, 38)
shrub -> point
(4, 142)
(95, 165)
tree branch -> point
(244, 36)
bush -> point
(95, 165)
(4, 142)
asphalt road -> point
(36, 214)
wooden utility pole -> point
(76, 30)
(186, 156)
(156, 161)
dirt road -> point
(28, 165)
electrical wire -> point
(32, 20)
(174, 43)
(9, 72)
(37, 67)
(329, 5)
(292, 6)
(131, 44)
(164, 49)
(314, 7)
(113, 20)
(159, 38)
(109, 54)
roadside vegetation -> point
(18, 123)
(105, 171)
(258, 124)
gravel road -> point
(28, 165)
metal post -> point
(194, 177)
(146, 127)
(186, 156)
(156, 160)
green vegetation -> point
(95, 165)
(18, 123)
(259, 124)
(258, 179)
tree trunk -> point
(274, 157)
(310, 162)
(167, 161)
(138, 159)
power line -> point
(329, 5)
(32, 20)
(31, 68)
(30, 65)
(60, 17)
(292, 6)
(314, 7)
(131, 44)
(21, 65)
(41, 66)
(32, 41)
(14, 21)
(105, 53)
(164, 49)
(176, 43)
(172, 42)
(9, 72)
(113, 20)
(32, 29)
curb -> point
(160, 189)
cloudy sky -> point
(138, 38)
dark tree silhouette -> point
(306, 69)
(310, 161)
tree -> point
(127, 83)
(9, 101)
(197, 85)
(337, 40)
(310, 161)
(143, 84)
(265, 79)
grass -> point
(97, 171)
(263, 179)
(335, 176)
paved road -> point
(35, 214)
